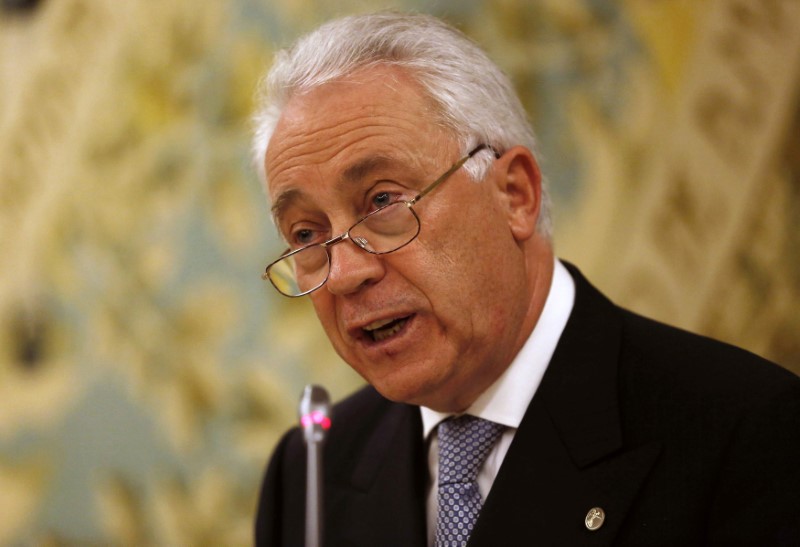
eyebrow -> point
(352, 174)
(363, 168)
(282, 202)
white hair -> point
(474, 99)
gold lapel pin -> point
(595, 518)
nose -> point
(352, 268)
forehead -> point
(366, 121)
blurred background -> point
(146, 371)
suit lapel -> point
(568, 457)
(381, 499)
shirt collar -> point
(507, 399)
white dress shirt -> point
(506, 400)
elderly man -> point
(510, 403)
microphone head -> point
(314, 410)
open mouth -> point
(378, 331)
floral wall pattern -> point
(146, 371)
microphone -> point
(315, 420)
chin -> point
(397, 392)
(402, 390)
(422, 392)
(412, 380)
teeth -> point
(386, 333)
(384, 328)
(378, 324)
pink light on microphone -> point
(316, 417)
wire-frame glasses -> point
(385, 230)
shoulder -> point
(718, 410)
(674, 384)
(695, 365)
(664, 358)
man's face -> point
(437, 321)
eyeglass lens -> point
(383, 231)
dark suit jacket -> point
(681, 440)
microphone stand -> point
(315, 420)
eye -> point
(382, 199)
(300, 237)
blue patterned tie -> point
(464, 443)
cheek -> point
(325, 309)
(468, 242)
(458, 280)
(474, 262)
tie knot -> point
(464, 443)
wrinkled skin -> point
(473, 283)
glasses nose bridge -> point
(357, 241)
(338, 239)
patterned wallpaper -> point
(146, 371)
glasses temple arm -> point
(456, 166)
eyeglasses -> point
(385, 230)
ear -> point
(519, 183)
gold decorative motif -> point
(132, 229)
